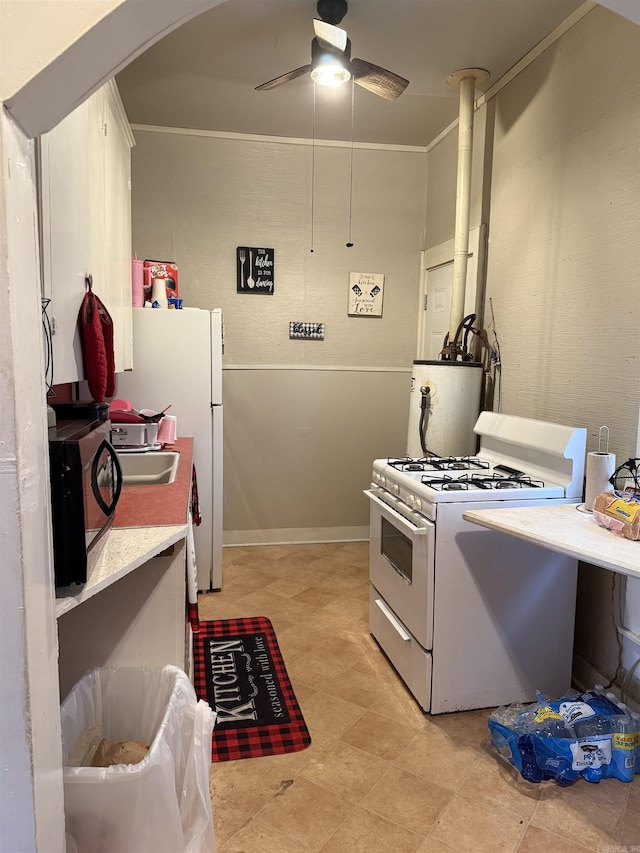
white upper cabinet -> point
(117, 225)
(85, 201)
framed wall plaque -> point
(365, 294)
(255, 270)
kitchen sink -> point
(153, 468)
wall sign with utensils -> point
(255, 268)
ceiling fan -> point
(331, 63)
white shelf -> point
(564, 529)
(124, 550)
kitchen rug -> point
(239, 671)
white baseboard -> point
(295, 536)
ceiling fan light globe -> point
(330, 73)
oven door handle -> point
(393, 621)
(400, 519)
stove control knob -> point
(395, 489)
(417, 503)
(410, 500)
(382, 480)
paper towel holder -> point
(600, 465)
(601, 432)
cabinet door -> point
(96, 193)
(117, 232)
(86, 225)
(65, 211)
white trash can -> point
(160, 805)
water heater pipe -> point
(466, 81)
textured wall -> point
(311, 436)
(442, 179)
(563, 267)
(561, 200)
(564, 233)
(195, 199)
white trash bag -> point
(161, 804)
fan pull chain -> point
(313, 161)
(349, 244)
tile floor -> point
(380, 775)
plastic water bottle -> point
(555, 728)
(624, 748)
(635, 725)
(600, 702)
(593, 726)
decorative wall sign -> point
(255, 270)
(306, 331)
(365, 294)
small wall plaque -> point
(306, 331)
(365, 294)
(255, 270)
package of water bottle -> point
(581, 735)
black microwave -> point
(86, 481)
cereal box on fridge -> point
(161, 269)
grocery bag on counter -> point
(580, 735)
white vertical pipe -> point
(463, 203)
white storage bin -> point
(162, 804)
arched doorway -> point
(51, 62)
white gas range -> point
(471, 618)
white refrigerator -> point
(177, 361)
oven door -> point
(401, 562)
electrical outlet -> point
(306, 331)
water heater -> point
(444, 405)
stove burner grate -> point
(456, 463)
(439, 463)
(408, 464)
(497, 481)
(468, 481)
(446, 484)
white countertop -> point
(567, 530)
(124, 550)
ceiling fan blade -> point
(284, 78)
(330, 36)
(378, 80)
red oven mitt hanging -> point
(106, 324)
(96, 338)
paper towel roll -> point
(600, 466)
